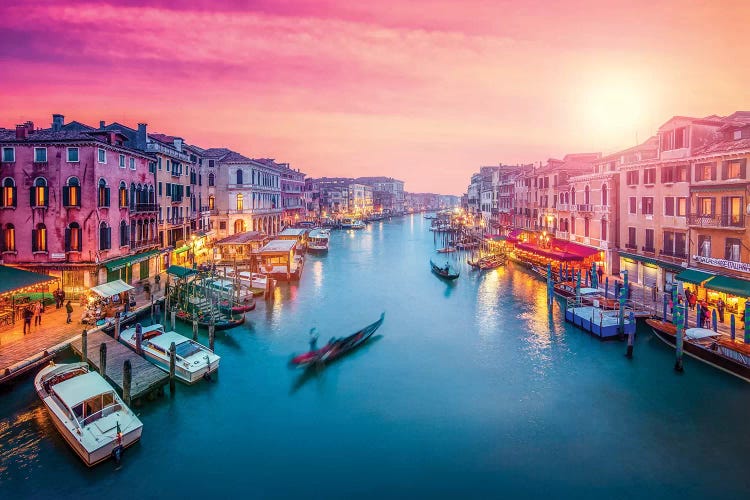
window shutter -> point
(67, 239)
(14, 193)
(109, 237)
(32, 197)
(743, 165)
(46, 196)
(33, 241)
(106, 196)
(2, 196)
(3, 248)
(66, 196)
(713, 172)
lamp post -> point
(192, 250)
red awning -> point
(577, 249)
(513, 235)
(550, 253)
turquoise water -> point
(469, 389)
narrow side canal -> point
(469, 388)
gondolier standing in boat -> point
(313, 339)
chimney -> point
(29, 126)
(57, 122)
(102, 124)
(112, 136)
(178, 144)
(140, 137)
(21, 132)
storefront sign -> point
(57, 256)
(727, 264)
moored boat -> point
(337, 347)
(447, 249)
(708, 346)
(317, 241)
(447, 271)
(87, 412)
(193, 361)
(220, 321)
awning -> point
(114, 265)
(182, 249)
(582, 250)
(650, 260)
(694, 276)
(13, 279)
(732, 286)
(111, 289)
(513, 235)
(549, 253)
(180, 271)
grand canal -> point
(469, 389)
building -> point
(77, 203)
(359, 200)
(292, 192)
(388, 191)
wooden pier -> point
(147, 379)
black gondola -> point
(337, 347)
(447, 271)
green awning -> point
(651, 260)
(694, 276)
(732, 286)
(182, 249)
(114, 265)
(13, 279)
(180, 272)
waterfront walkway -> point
(53, 335)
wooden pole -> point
(732, 327)
(172, 355)
(679, 311)
(127, 374)
(631, 336)
(173, 317)
(84, 346)
(117, 327)
(103, 359)
(211, 334)
(713, 320)
(195, 329)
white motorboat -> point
(192, 360)
(318, 241)
(87, 411)
(352, 224)
(254, 281)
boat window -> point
(92, 406)
(186, 349)
(108, 398)
(78, 411)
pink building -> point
(76, 204)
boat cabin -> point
(88, 397)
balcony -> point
(631, 246)
(563, 207)
(174, 221)
(562, 235)
(675, 254)
(586, 207)
(137, 245)
(648, 250)
(601, 209)
(143, 208)
(728, 221)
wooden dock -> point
(147, 379)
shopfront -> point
(733, 291)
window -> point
(222, 224)
(631, 238)
(73, 154)
(668, 247)
(40, 155)
(586, 227)
(604, 230)
(168, 188)
(124, 235)
(211, 165)
(9, 155)
(734, 169)
(211, 202)
(8, 198)
(669, 205)
(101, 155)
(647, 205)
(649, 245)
(605, 197)
(159, 186)
(731, 211)
(649, 176)
(573, 196)
(732, 249)
(103, 193)
(239, 201)
(105, 236)
(667, 175)
(239, 176)
(705, 172)
(73, 239)
(704, 245)
(681, 207)
(682, 173)
(680, 243)
(123, 195)
(132, 164)
(632, 178)
(707, 206)
(9, 238)
(122, 161)
(72, 193)
(40, 193)
(39, 238)
(211, 177)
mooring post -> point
(211, 334)
(103, 359)
(747, 322)
(173, 318)
(679, 310)
(713, 320)
(127, 374)
(732, 326)
(195, 329)
(631, 336)
(621, 315)
(152, 308)
(84, 346)
(117, 327)
(172, 353)
(665, 305)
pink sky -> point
(423, 91)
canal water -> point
(469, 388)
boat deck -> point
(146, 377)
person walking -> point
(27, 315)
(38, 313)
(69, 310)
(720, 309)
(157, 280)
(705, 315)
(692, 300)
(600, 273)
(147, 290)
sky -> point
(423, 91)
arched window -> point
(572, 196)
(211, 179)
(40, 193)
(8, 198)
(211, 202)
(604, 230)
(572, 226)
(9, 238)
(605, 199)
(151, 198)
(239, 176)
(73, 237)
(586, 227)
(39, 238)
(103, 193)
(123, 195)
(133, 199)
(105, 236)
(72, 193)
(124, 241)
(239, 201)
(239, 226)
(586, 195)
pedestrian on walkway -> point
(56, 295)
(692, 300)
(147, 290)
(38, 313)
(720, 309)
(27, 315)
(157, 280)
(600, 272)
(705, 315)
(69, 310)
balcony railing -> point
(140, 208)
(585, 207)
(562, 235)
(717, 220)
(631, 246)
(676, 254)
(562, 207)
(601, 209)
(648, 249)
(175, 221)
(144, 243)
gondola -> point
(237, 308)
(446, 250)
(204, 322)
(337, 347)
(447, 272)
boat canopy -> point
(166, 338)
(81, 388)
(111, 289)
(699, 333)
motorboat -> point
(317, 241)
(193, 361)
(87, 411)
(352, 224)
(447, 249)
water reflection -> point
(20, 438)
